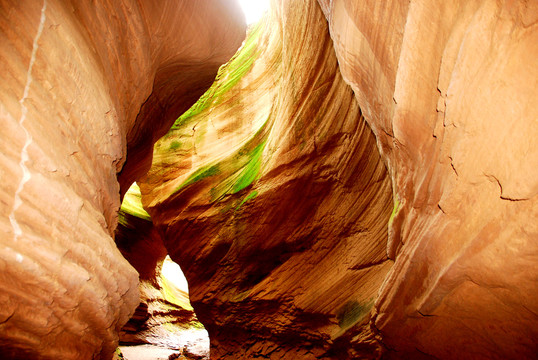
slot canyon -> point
(343, 179)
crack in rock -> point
(493, 177)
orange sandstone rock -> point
(450, 89)
(274, 200)
(275, 196)
(85, 85)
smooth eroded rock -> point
(85, 85)
(450, 89)
(273, 199)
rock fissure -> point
(496, 180)
(7, 319)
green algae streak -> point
(252, 195)
(132, 204)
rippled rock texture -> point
(273, 198)
(360, 182)
(86, 85)
(276, 203)
(450, 89)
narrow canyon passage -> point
(164, 322)
(286, 270)
(357, 182)
(272, 196)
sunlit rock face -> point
(273, 198)
(449, 89)
(85, 85)
(164, 316)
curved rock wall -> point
(450, 89)
(271, 192)
(81, 83)
(274, 200)
(164, 316)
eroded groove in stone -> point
(274, 200)
(449, 89)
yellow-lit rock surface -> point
(274, 200)
(450, 90)
(85, 85)
(164, 316)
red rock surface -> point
(85, 85)
(274, 201)
(450, 89)
(450, 93)
(275, 198)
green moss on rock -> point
(132, 204)
(175, 145)
(395, 210)
(250, 196)
(204, 172)
(227, 77)
(351, 312)
(251, 170)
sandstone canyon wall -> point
(85, 86)
(273, 198)
(450, 90)
(359, 182)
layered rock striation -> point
(359, 182)
(85, 86)
(450, 92)
(273, 198)
(260, 202)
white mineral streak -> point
(24, 110)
